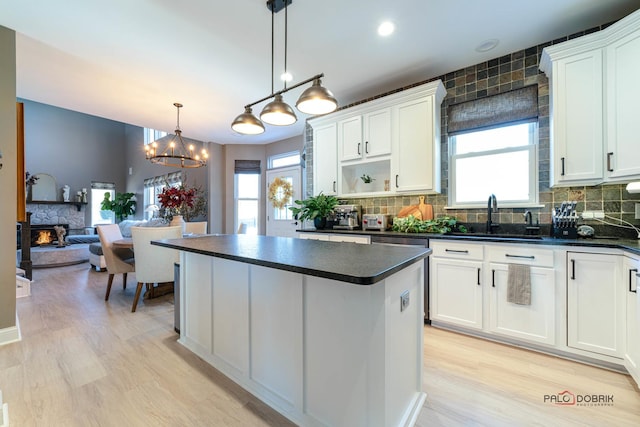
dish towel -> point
(519, 284)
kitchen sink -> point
(498, 235)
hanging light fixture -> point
(314, 100)
(176, 153)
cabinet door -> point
(416, 148)
(365, 240)
(313, 236)
(350, 138)
(632, 352)
(595, 303)
(456, 292)
(535, 322)
(577, 119)
(623, 92)
(325, 159)
(377, 133)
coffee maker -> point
(347, 217)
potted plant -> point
(316, 208)
(123, 204)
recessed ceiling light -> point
(386, 28)
(286, 76)
(487, 45)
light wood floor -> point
(84, 362)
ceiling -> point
(129, 61)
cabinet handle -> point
(359, 153)
(562, 162)
(609, 162)
(631, 271)
(397, 181)
(478, 276)
(456, 251)
(334, 187)
(366, 147)
(520, 256)
(493, 278)
(573, 269)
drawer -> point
(458, 250)
(520, 254)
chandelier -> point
(314, 100)
(175, 152)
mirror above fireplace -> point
(45, 188)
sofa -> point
(96, 258)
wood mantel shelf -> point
(78, 205)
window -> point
(153, 187)
(500, 161)
(247, 197)
(151, 135)
(291, 158)
(98, 216)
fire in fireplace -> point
(44, 234)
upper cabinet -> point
(593, 92)
(384, 146)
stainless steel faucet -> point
(492, 206)
(528, 218)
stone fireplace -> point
(45, 235)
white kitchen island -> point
(314, 329)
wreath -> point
(280, 191)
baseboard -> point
(10, 334)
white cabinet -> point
(365, 135)
(576, 112)
(456, 284)
(593, 97)
(632, 348)
(623, 92)
(325, 159)
(595, 303)
(416, 149)
(335, 237)
(534, 322)
(395, 140)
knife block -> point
(564, 232)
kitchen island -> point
(325, 333)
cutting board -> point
(421, 211)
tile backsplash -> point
(488, 78)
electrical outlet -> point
(587, 215)
(598, 214)
(637, 210)
(404, 300)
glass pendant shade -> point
(247, 123)
(278, 113)
(317, 100)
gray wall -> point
(74, 148)
(8, 177)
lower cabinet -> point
(595, 303)
(336, 237)
(631, 275)
(456, 292)
(534, 322)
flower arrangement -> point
(189, 202)
(280, 193)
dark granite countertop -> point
(346, 262)
(631, 245)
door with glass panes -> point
(280, 183)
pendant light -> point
(314, 100)
(175, 152)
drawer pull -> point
(478, 276)
(631, 271)
(334, 187)
(609, 168)
(520, 256)
(359, 153)
(562, 161)
(493, 278)
(573, 269)
(457, 251)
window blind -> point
(96, 185)
(248, 167)
(517, 105)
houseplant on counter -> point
(316, 208)
(123, 204)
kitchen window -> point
(500, 161)
(493, 145)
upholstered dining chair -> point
(154, 264)
(117, 260)
(197, 227)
